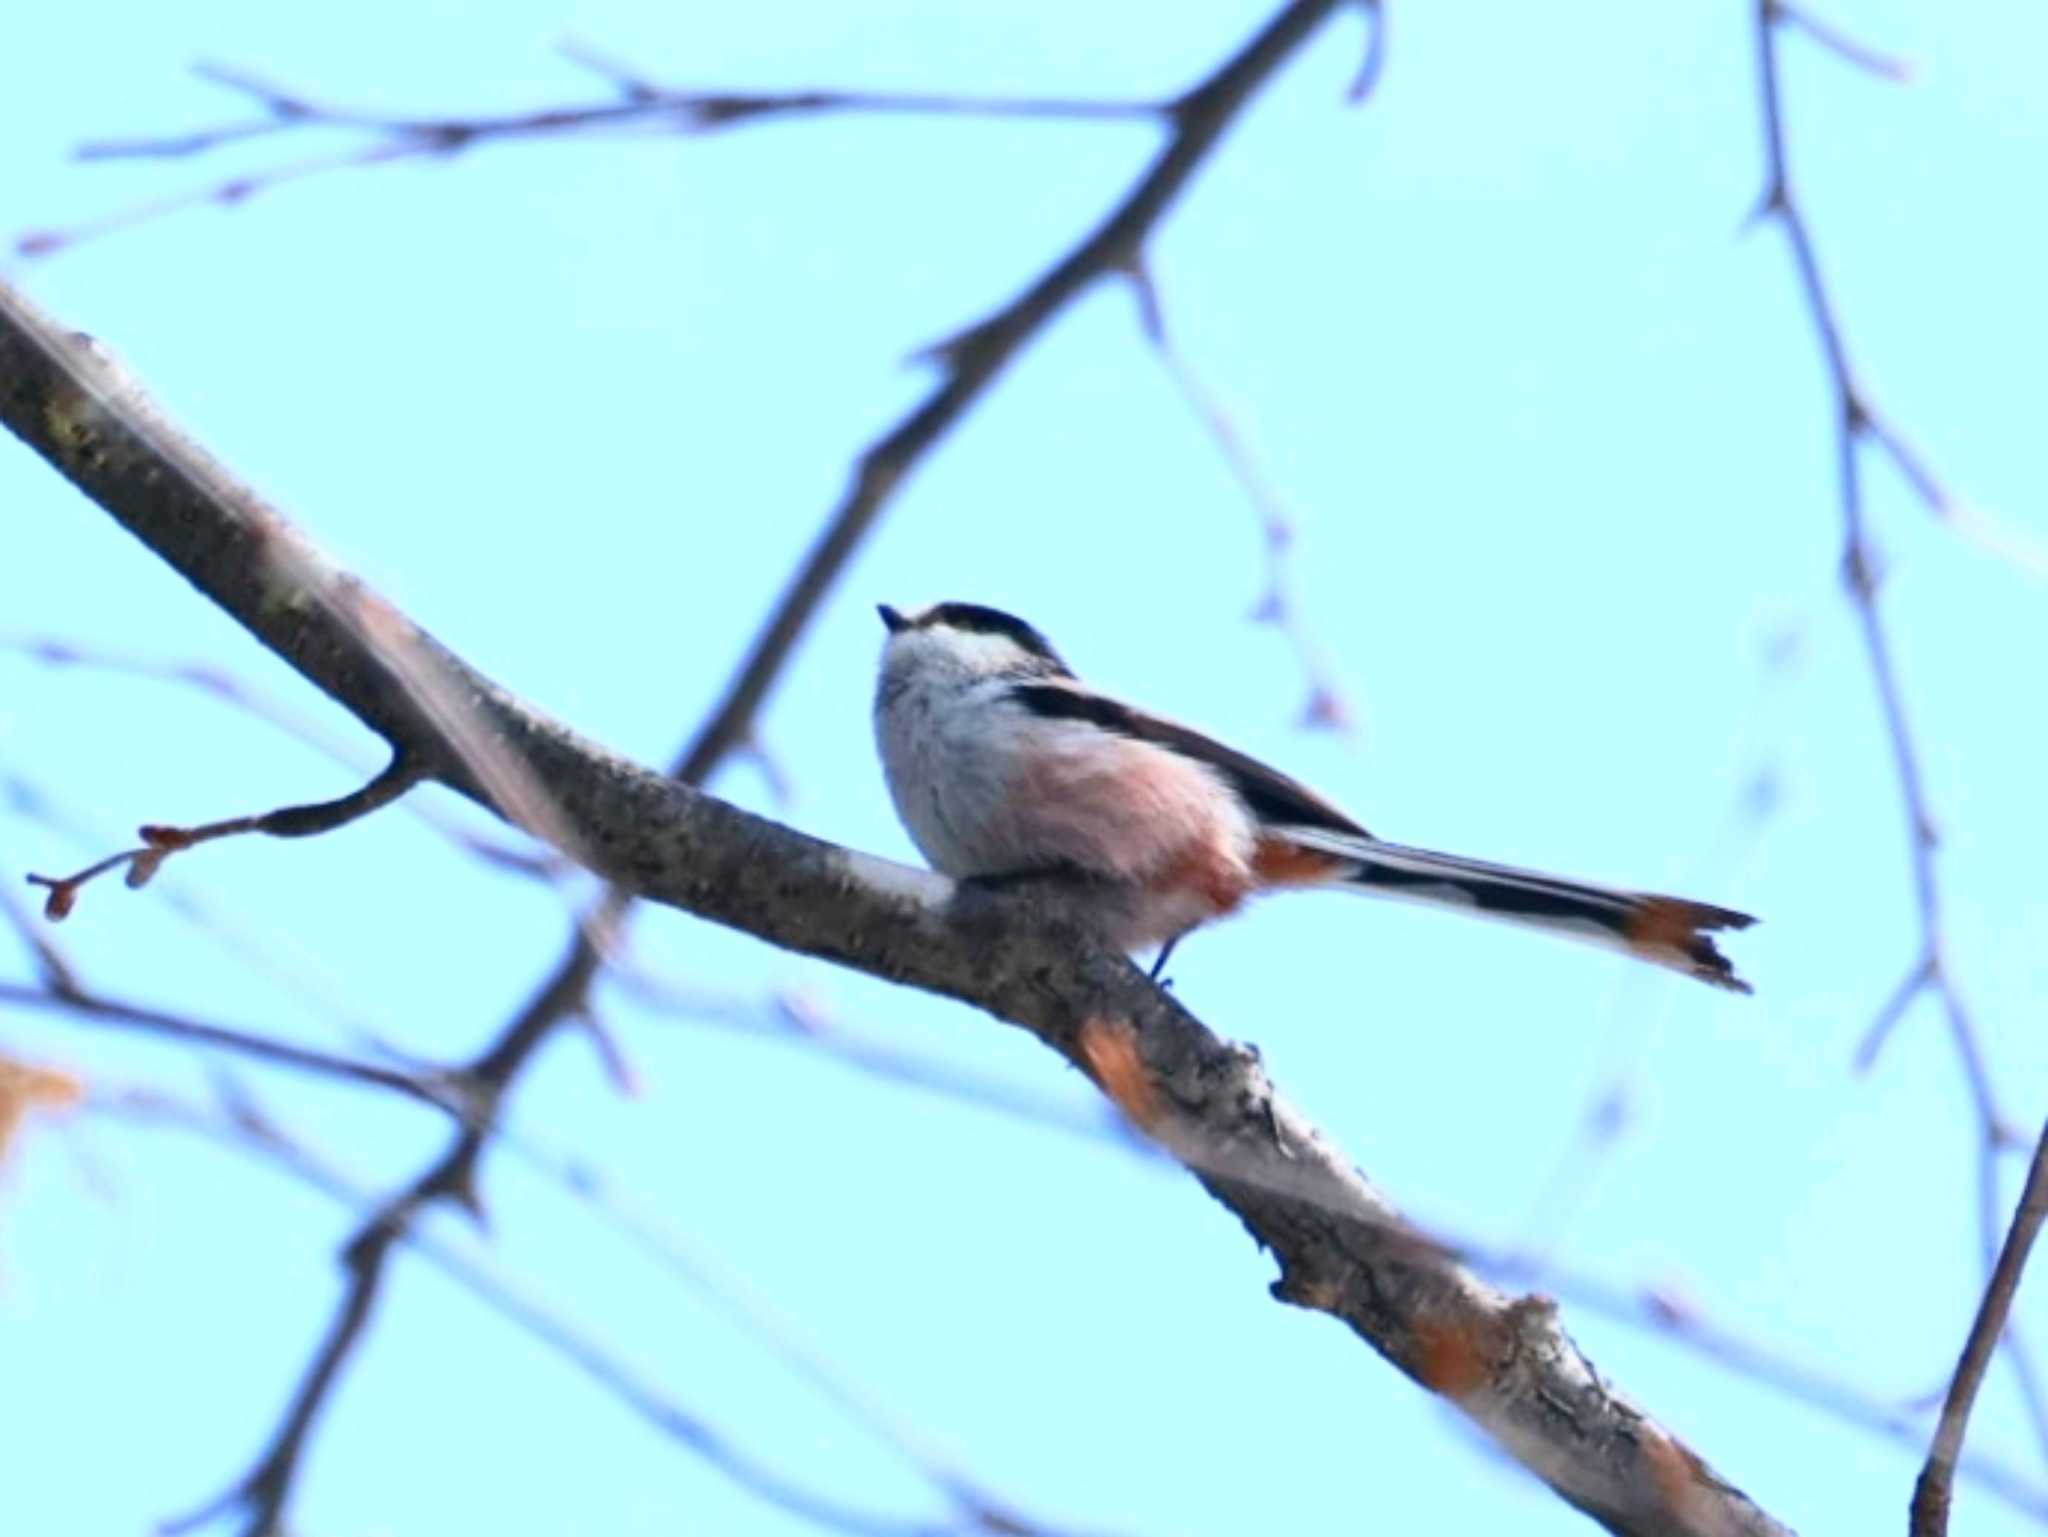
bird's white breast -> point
(947, 767)
(986, 787)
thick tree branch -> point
(1340, 1247)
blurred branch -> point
(803, 1019)
(1608, 1112)
(1937, 1479)
(1850, 49)
(439, 1090)
(725, 1294)
(220, 684)
(1327, 707)
(1506, 1363)
(1857, 422)
(244, 1128)
(638, 107)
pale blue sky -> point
(1555, 435)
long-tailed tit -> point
(1003, 764)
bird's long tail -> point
(1667, 931)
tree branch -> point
(1937, 1479)
(1340, 1246)
(59, 976)
(640, 107)
(440, 1090)
(1856, 422)
(1326, 708)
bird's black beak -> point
(893, 618)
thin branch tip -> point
(161, 840)
(630, 83)
(1896, 68)
(1373, 62)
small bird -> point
(1005, 766)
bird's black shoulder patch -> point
(1273, 796)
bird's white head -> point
(964, 642)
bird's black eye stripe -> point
(977, 619)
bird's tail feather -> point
(1667, 931)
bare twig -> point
(442, 1091)
(1889, 66)
(1858, 422)
(1327, 707)
(639, 107)
(1920, 976)
(256, 948)
(1607, 1113)
(159, 842)
(58, 974)
(1932, 1492)
(1374, 61)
